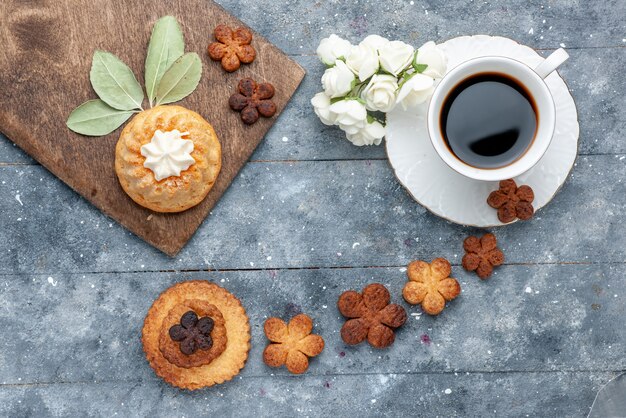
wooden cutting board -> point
(45, 57)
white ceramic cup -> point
(531, 79)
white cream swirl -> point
(168, 154)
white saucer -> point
(452, 196)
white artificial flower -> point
(380, 93)
(415, 91)
(333, 48)
(337, 81)
(349, 114)
(370, 134)
(434, 57)
(396, 56)
(363, 61)
(375, 41)
(321, 105)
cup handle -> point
(551, 63)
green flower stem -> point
(376, 117)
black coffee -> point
(488, 120)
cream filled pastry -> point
(168, 158)
(168, 154)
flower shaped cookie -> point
(482, 255)
(232, 47)
(512, 201)
(192, 333)
(253, 100)
(292, 344)
(371, 315)
(430, 285)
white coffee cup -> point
(531, 79)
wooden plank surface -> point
(552, 394)
(568, 311)
(493, 347)
(305, 215)
(500, 350)
(592, 74)
(48, 47)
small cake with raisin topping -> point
(196, 334)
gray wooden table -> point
(311, 216)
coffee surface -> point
(488, 120)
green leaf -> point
(420, 67)
(166, 46)
(114, 82)
(407, 77)
(376, 117)
(180, 80)
(96, 118)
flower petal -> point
(380, 336)
(350, 304)
(471, 244)
(275, 355)
(449, 288)
(414, 292)
(204, 342)
(354, 331)
(300, 326)
(433, 303)
(484, 269)
(246, 54)
(189, 320)
(276, 330)
(231, 61)
(488, 242)
(418, 271)
(265, 91)
(393, 315)
(188, 346)
(508, 186)
(247, 87)
(470, 261)
(242, 36)
(496, 199)
(267, 108)
(249, 115)
(238, 101)
(525, 194)
(524, 210)
(223, 34)
(506, 212)
(496, 257)
(297, 362)
(217, 51)
(415, 91)
(376, 296)
(311, 345)
(440, 268)
(178, 333)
